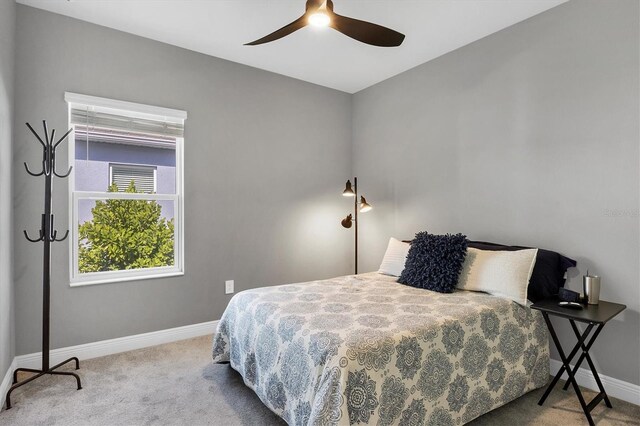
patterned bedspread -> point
(365, 349)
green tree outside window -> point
(125, 234)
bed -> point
(366, 349)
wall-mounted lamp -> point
(362, 206)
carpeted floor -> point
(177, 384)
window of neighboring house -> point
(143, 177)
(126, 190)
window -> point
(143, 177)
(126, 190)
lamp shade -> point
(348, 192)
(364, 206)
(347, 221)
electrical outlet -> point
(228, 287)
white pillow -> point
(394, 258)
(501, 273)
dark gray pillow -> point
(434, 262)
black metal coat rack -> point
(47, 235)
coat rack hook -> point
(46, 167)
(46, 132)
(26, 235)
(36, 135)
(30, 172)
(63, 175)
(52, 233)
(64, 237)
(62, 138)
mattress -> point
(366, 349)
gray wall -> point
(7, 48)
(266, 157)
(528, 136)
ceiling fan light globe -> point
(319, 19)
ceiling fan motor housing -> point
(317, 4)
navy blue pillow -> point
(434, 262)
(548, 273)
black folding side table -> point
(593, 315)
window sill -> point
(81, 282)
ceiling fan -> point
(320, 13)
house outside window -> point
(126, 190)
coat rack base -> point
(40, 373)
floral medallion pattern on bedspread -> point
(365, 349)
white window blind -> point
(137, 118)
(98, 118)
(143, 177)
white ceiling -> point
(322, 56)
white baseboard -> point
(6, 382)
(114, 346)
(616, 388)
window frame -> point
(133, 110)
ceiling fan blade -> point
(282, 32)
(366, 32)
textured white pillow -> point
(501, 273)
(394, 258)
